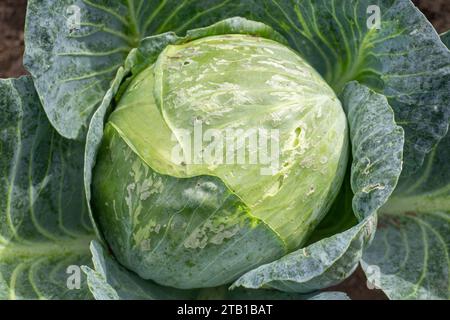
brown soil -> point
(437, 11)
(12, 17)
(357, 289)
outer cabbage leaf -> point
(377, 148)
(44, 225)
(110, 281)
(409, 258)
(446, 38)
(73, 50)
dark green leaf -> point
(409, 257)
(446, 38)
(110, 281)
(44, 225)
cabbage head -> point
(221, 156)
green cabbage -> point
(271, 157)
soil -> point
(12, 17)
(437, 11)
(357, 289)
